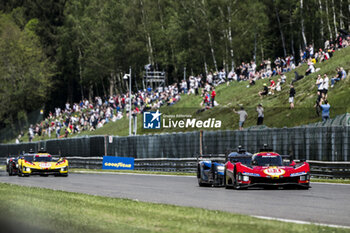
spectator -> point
(213, 94)
(319, 84)
(317, 105)
(210, 78)
(278, 85)
(206, 100)
(272, 87)
(265, 91)
(339, 41)
(18, 139)
(231, 76)
(184, 86)
(260, 111)
(242, 117)
(222, 74)
(31, 133)
(196, 85)
(325, 106)
(325, 85)
(343, 73)
(291, 96)
(337, 78)
(283, 78)
(310, 69)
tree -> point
(25, 71)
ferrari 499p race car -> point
(41, 164)
(267, 169)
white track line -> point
(301, 222)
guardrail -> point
(332, 170)
(318, 169)
(152, 164)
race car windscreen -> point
(243, 160)
(28, 158)
(43, 159)
(268, 160)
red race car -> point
(267, 169)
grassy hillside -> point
(277, 112)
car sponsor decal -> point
(45, 165)
(250, 174)
(298, 174)
(274, 171)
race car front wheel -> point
(227, 181)
(10, 171)
(21, 174)
(200, 183)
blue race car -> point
(210, 170)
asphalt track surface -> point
(323, 203)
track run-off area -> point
(322, 204)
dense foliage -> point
(53, 51)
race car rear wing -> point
(288, 159)
(212, 157)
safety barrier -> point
(319, 169)
(323, 169)
(311, 143)
(154, 164)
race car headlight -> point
(27, 169)
(63, 169)
(220, 168)
(245, 178)
(305, 177)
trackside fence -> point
(319, 169)
(321, 143)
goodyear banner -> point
(117, 163)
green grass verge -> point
(44, 210)
(338, 181)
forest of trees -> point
(53, 51)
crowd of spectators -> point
(309, 57)
(91, 115)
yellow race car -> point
(42, 164)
